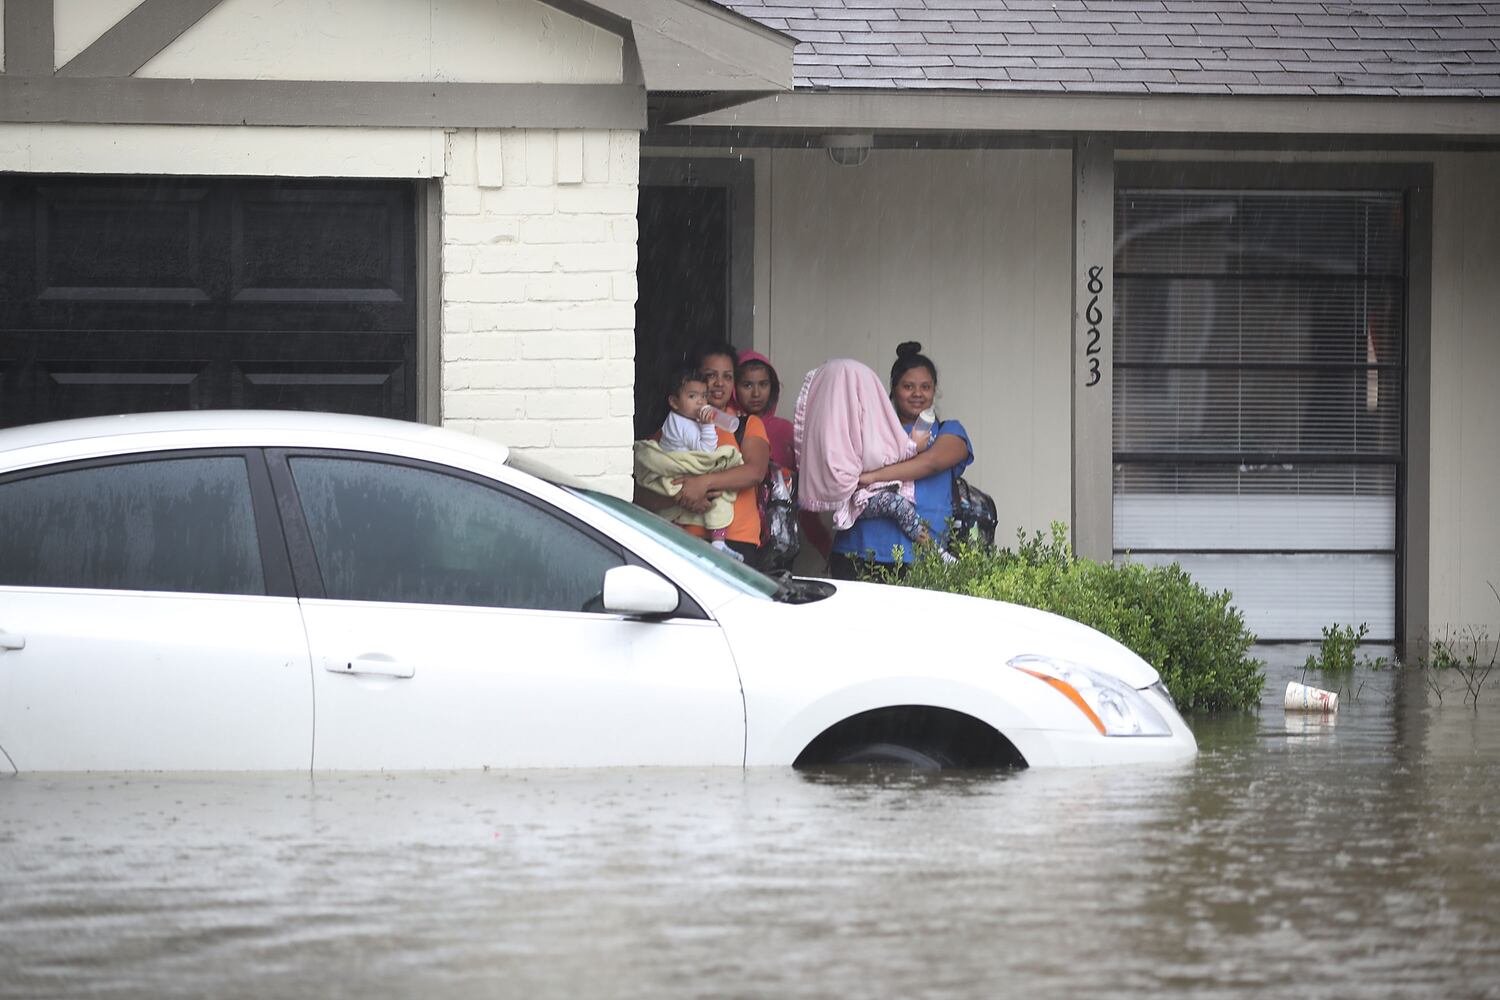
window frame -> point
(1414, 177)
(276, 569)
(304, 561)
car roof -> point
(136, 432)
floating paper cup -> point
(1301, 698)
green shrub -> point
(1196, 640)
(1336, 653)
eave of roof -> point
(694, 45)
(891, 111)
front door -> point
(694, 273)
(460, 626)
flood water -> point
(1292, 858)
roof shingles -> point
(1437, 48)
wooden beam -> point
(142, 101)
(29, 40)
(137, 37)
(1093, 347)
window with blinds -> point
(1258, 398)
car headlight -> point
(1114, 707)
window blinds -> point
(1258, 398)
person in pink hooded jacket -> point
(757, 391)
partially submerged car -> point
(265, 591)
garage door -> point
(1258, 398)
(130, 294)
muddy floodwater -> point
(1294, 857)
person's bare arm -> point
(946, 452)
(657, 502)
(747, 475)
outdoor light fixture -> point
(849, 149)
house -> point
(1206, 279)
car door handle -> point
(9, 640)
(380, 666)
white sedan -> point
(262, 591)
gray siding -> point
(968, 252)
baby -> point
(887, 502)
(689, 446)
(689, 425)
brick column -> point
(538, 331)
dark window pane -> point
(174, 525)
(385, 532)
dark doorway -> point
(131, 294)
(693, 271)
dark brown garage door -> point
(129, 294)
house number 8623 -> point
(1093, 316)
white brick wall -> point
(539, 256)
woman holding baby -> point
(715, 364)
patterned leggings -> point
(899, 509)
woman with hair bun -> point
(943, 453)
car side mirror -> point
(636, 590)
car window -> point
(388, 532)
(182, 524)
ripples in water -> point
(1296, 856)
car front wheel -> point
(896, 755)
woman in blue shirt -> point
(933, 469)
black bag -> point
(776, 499)
(974, 515)
(780, 530)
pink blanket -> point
(845, 425)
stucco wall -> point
(1465, 455)
(538, 331)
(78, 23)
(968, 252)
(470, 41)
(484, 41)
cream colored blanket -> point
(655, 469)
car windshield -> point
(707, 557)
(541, 470)
(723, 568)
